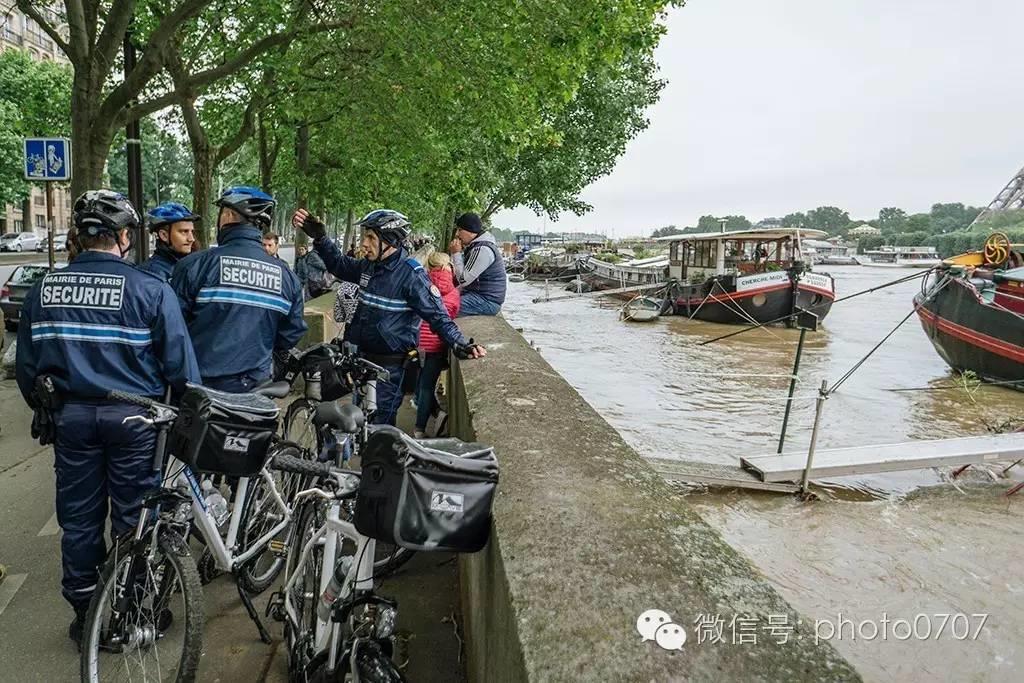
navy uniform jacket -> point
(393, 295)
(102, 324)
(240, 305)
(161, 263)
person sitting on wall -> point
(479, 267)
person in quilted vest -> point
(433, 350)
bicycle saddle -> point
(273, 389)
(347, 418)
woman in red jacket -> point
(433, 351)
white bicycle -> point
(337, 628)
(146, 618)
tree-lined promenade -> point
(431, 106)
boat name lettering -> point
(752, 281)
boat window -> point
(703, 254)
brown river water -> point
(876, 548)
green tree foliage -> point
(794, 220)
(166, 166)
(587, 137)
(713, 223)
(892, 219)
(831, 219)
(103, 99)
(666, 231)
(13, 187)
(952, 217)
(34, 102)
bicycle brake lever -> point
(139, 418)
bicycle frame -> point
(360, 575)
(179, 475)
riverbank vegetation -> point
(947, 227)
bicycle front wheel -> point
(146, 617)
(260, 514)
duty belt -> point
(390, 360)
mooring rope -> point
(835, 386)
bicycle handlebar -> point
(289, 463)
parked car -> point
(60, 243)
(14, 291)
(18, 241)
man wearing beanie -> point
(479, 268)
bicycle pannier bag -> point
(319, 364)
(223, 433)
(435, 496)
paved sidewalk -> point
(34, 618)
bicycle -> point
(151, 576)
(337, 628)
(335, 624)
(331, 431)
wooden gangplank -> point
(911, 455)
(719, 476)
(601, 292)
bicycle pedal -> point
(279, 548)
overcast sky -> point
(785, 105)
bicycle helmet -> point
(250, 202)
(98, 211)
(391, 227)
(168, 213)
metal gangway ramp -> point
(911, 455)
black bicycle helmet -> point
(99, 211)
(391, 227)
(250, 202)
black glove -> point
(313, 227)
(463, 351)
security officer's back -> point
(98, 325)
(241, 305)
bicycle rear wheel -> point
(260, 514)
(299, 428)
(158, 635)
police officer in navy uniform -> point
(394, 294)
(173, 225)
(242, 306)
(98, 325)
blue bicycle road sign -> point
(47, 159)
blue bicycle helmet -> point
(168, 213)
(391, 226)
(98, 211)
(250, 202)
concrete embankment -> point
(587, 537)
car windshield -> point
(28, 275)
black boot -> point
(77, 627)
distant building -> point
(864, 230)
(18, 31)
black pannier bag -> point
(319, 364)
(223, 433)
(436, 497)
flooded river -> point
(890, 546)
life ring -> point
(997, 249)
